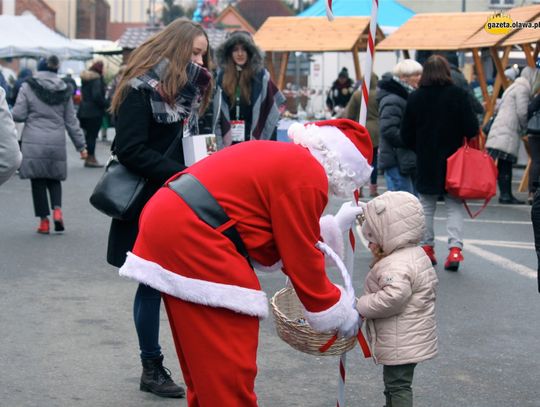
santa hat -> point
(347, 138)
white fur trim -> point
(239, 299)
(331, 234)
(330, 138)
(267, 269)
(336, 141)
(335, 316)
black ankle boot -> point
(157, 379)
(505, 185)
(510, 200)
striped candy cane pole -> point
(369, 62)
(349, 264)
(349, 253)
(329, 13)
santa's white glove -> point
(351, 325)
(346, 215)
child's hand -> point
(84, 154)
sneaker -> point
(453, 259)
(58, 220)
(43, 226)
(430, 252)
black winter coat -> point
(461, 82)
(436, 120)
(533, 107)
(392, 98)
(140, 144)
(93, 102)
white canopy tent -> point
(26, 36)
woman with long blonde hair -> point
(165, 85)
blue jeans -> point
(146, 316)
(396, 181)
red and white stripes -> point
(329, 14)
(369, 62)
(349, 250)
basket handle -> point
(327, 250)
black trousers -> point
(91, 126)
(534, 174)
(40, 186)
(535, 217)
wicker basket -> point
(292, 328)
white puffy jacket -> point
(10, 154)
(511, 119)
(400, 289)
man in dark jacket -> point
(397, 162)
(340, 92)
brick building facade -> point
(38, 8)
(92, 19)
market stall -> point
(466, 32)
(26, 36)
(313, 34)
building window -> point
(495, 4)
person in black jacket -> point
(340, 93)
(23, 75)
(397, 162)
(165, 84)
(534, 148)
(437, 117)
(535, 218)
(92, 109)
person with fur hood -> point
(510, 123)
(92, 109)
(398, 303)
(246, 103)
(45, 106)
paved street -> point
(67, 337)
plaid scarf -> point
(187, 102)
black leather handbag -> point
(533, 125)
(120, 193)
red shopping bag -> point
(471, 174)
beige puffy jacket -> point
(399, 291)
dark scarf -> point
(47, 96)
(187, 101)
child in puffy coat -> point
(398, 304)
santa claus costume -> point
(274, 194)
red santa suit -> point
(274, 193)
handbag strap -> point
(201, 201)
(474, 215)
(173, 146)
